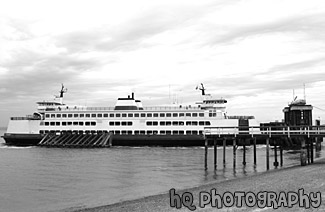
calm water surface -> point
(54, 179)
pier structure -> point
(75, 140)
(276, 136)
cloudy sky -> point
(252, 52)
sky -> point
(256, 54)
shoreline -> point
(311, 178)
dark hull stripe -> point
(22, 139)
(118, 140)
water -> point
(54, 179)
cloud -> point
(307, 64)
(311, 26)
(238, 49)
(33, 73)
(277, 79)
(124, 37)
(13, 29)
(133, 33)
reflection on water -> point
(47, 179)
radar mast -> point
(62, 91)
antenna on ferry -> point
(202, 89)
(63, 90)
(169, 94)
(304, 92)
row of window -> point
(213, 114)
(178, 123)
(161, 132)
(69, 123)
(73, 131)
(117, 123)
(155, 132)
(123, 115)
(128, 132)
(127, 123)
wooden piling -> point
(318, 145)
(267, 153)
(244, 154)
(276, 163)
(303, 153)
(224, 151)
(254, 140)
(308, 151)
(234, 151)
(206, 154)
(281, 155)
(215, 153)
(311, 150)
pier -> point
(75, 140)
(280, 137)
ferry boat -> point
(130, 123)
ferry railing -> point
(269, 131)
(183, 108)
(28, 117)
(240, 117)
(153, 108)
(19, 118)
(83, 108)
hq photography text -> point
(240, 199)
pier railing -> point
(270, 131)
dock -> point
(306, 137)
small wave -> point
(131, 147)
(183, 147)
(157, 147)
(3, 146)
(260, 146)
